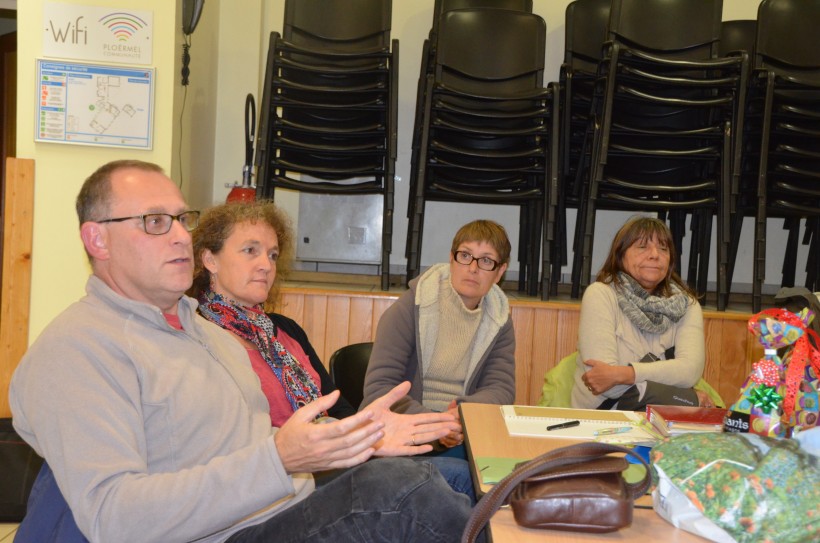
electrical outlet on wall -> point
(356, 235)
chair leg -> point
(790, 258)
(524, 218)
(535, 235)
(414, 237)
(810, 239)
(547, 243)
(759, 256)
(559, 244)
(704, 238)
(735, 231)
(387, 239)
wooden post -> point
(16, 289)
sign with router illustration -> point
(99, 34)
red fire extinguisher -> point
(246, 192)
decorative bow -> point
(765, 397)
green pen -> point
(610, 431)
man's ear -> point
(95, 240)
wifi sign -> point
(122, 25)
(97, 34)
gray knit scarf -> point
(650, 313)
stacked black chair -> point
(784, 113)
(737, 37)
(328, 115)
(486, 128)
(427, 68)
(586, 31)
(664, 107)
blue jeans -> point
(453, 466)
(48, 518)
(384, 500)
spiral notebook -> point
(621, 427)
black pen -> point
(563, 425)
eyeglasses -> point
(158, 224)
(484, 262)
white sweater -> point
(606, 334)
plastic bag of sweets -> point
(780, 394)
(738, 487)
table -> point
(485, 434)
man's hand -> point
(405, 434)
(455, 438)
(600, 376)
(308, 447)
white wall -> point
(241, 65)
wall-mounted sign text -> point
(97, 34)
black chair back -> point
(348, 367)
(737, 35)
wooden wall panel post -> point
(543, 356)
(566, 340)
(361, 320)
(292, 304)
(337, 327)
(523, 326)
(314, 323)
(713, 331)
(15, 296)
(736, 347)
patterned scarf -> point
(252, 324)
(650, 313)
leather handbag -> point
(576, 488)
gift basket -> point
(779, 396)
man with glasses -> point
(153, 424)
(451, 336)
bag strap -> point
(573, 454)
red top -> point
(280, 409)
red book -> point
(678, 419)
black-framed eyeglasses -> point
(484, 262)
(158, 224)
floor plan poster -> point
(91, 104)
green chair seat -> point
(558, 382)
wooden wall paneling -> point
(736, 348)
(361, 320)
(543, 356)
(523, 327)
(314, 323)
(566, 340)
(713, 332)
(292, 305)
(16, 283)
(337, 325)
